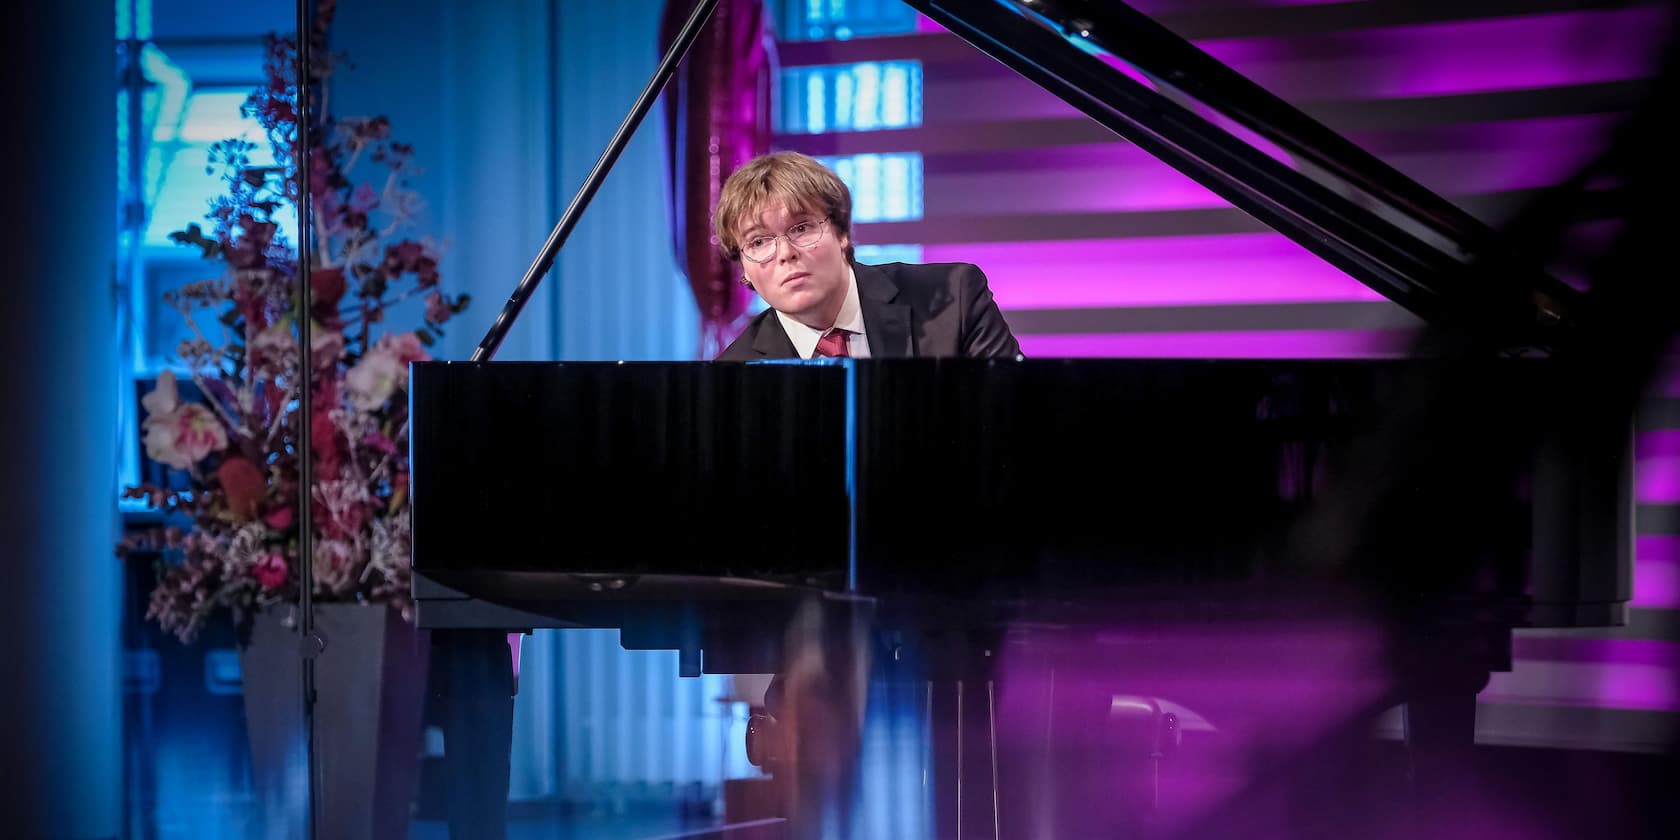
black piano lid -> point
(1417, 249)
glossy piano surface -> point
(592, 493)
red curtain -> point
(717, 111)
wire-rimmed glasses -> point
(761, 247)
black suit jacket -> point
(937, 309)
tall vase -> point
(370, 686)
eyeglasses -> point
(761, 248)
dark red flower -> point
(243, 485)
(326, 288)
(403, 257)
(327, 285)
(248, 247)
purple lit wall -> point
(1064, 217)
(1094, 248)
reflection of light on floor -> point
(892, 798)
(1242, 697)
(1246, 696)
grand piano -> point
(943, 511)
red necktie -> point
(833, 344)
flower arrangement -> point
(238, 439)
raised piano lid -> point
(1174, 101)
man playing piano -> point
(787, 220)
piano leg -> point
(475, 685)
(1440, 733)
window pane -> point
(851, 97)
(885, 187)
(179, 187)
(821, 20)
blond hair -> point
(796, 180)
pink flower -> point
(179, 434)
(184, 436)
(270, 571)
(343, 523)
(273, 347)
(384, 370)
(163, 397)
(325, 347)
(374, 379)
(406, 347)
(333, 561)
(279, 519)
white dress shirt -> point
(850, 319)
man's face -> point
(808, 284)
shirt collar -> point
(850, 319)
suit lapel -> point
(770, 340)
(885, 321)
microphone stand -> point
(568, 220)
(310, 644)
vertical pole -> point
(309, 643)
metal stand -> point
(310, 644)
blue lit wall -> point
(819, 20)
